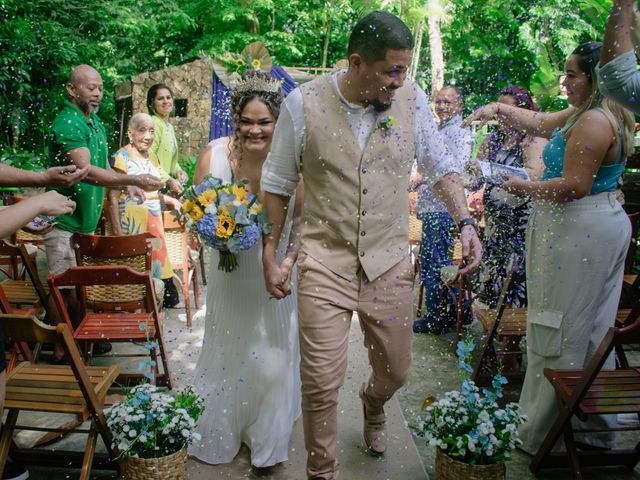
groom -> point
(354, 135)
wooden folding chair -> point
(115, 325)
(73, 389)
(133, 251)
(27, 294)
(593, 391)
(624, 318)
(509, 324)
(182, 259)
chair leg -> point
(163, 356)
(89, 450)
(202, 271)
(185, 293)
(100, 424)
(552, 437)
(572, 454)
(196, 288)
(6, 436)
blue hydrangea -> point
(207, 184)
(206, 228)
(249, 236)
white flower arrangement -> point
(152, 424)
(469, 425)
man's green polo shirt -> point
(71, 130)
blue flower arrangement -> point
(468, 425)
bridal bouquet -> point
(469, 425)
(227, 217)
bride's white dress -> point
(248, 370)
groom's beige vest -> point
(355, 202)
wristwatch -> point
(466, 221)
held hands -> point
(471, 249)
(148, 182)
(482, 115)
(277, 278)
(65, 177)
(54, 204)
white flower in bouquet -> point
(152, 424)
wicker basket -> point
(449, 469)
(173, 466)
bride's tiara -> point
(257, 84)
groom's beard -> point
(379, 106)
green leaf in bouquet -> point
(241, 215)
(233, 245)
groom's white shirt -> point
(280, 173)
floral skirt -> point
(136, 219)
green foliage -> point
(487, 44)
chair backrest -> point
(105, 275)
(177, 240)
(23, 328)
(20, 252)
(132, 251)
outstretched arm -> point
(535, 123)
(580, 164)
(66, 176)
(81, 158)
(617, 36)
(18, 215)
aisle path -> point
(401, 462)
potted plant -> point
(474, 436)
(151, 430)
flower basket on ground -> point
(226, 216)
(474, 436)
(152, 429)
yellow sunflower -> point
(256, 208)
(188, 205)
(196, 213)
(226, 226)
(256, 64)
(239, 62)
(207, 197)
(240, 193)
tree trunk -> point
(437, 57)
(327, 35)
(415, 58)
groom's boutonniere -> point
(386, 124)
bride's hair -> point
(255, 84)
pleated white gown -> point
(248, 370)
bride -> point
(248, 368)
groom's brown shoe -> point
(375, 435)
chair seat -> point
(512, 324)
(115, 327)
(54, 388)
(20, 292)
(612, 391)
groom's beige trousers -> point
(325, 305)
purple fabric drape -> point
(220, 98)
